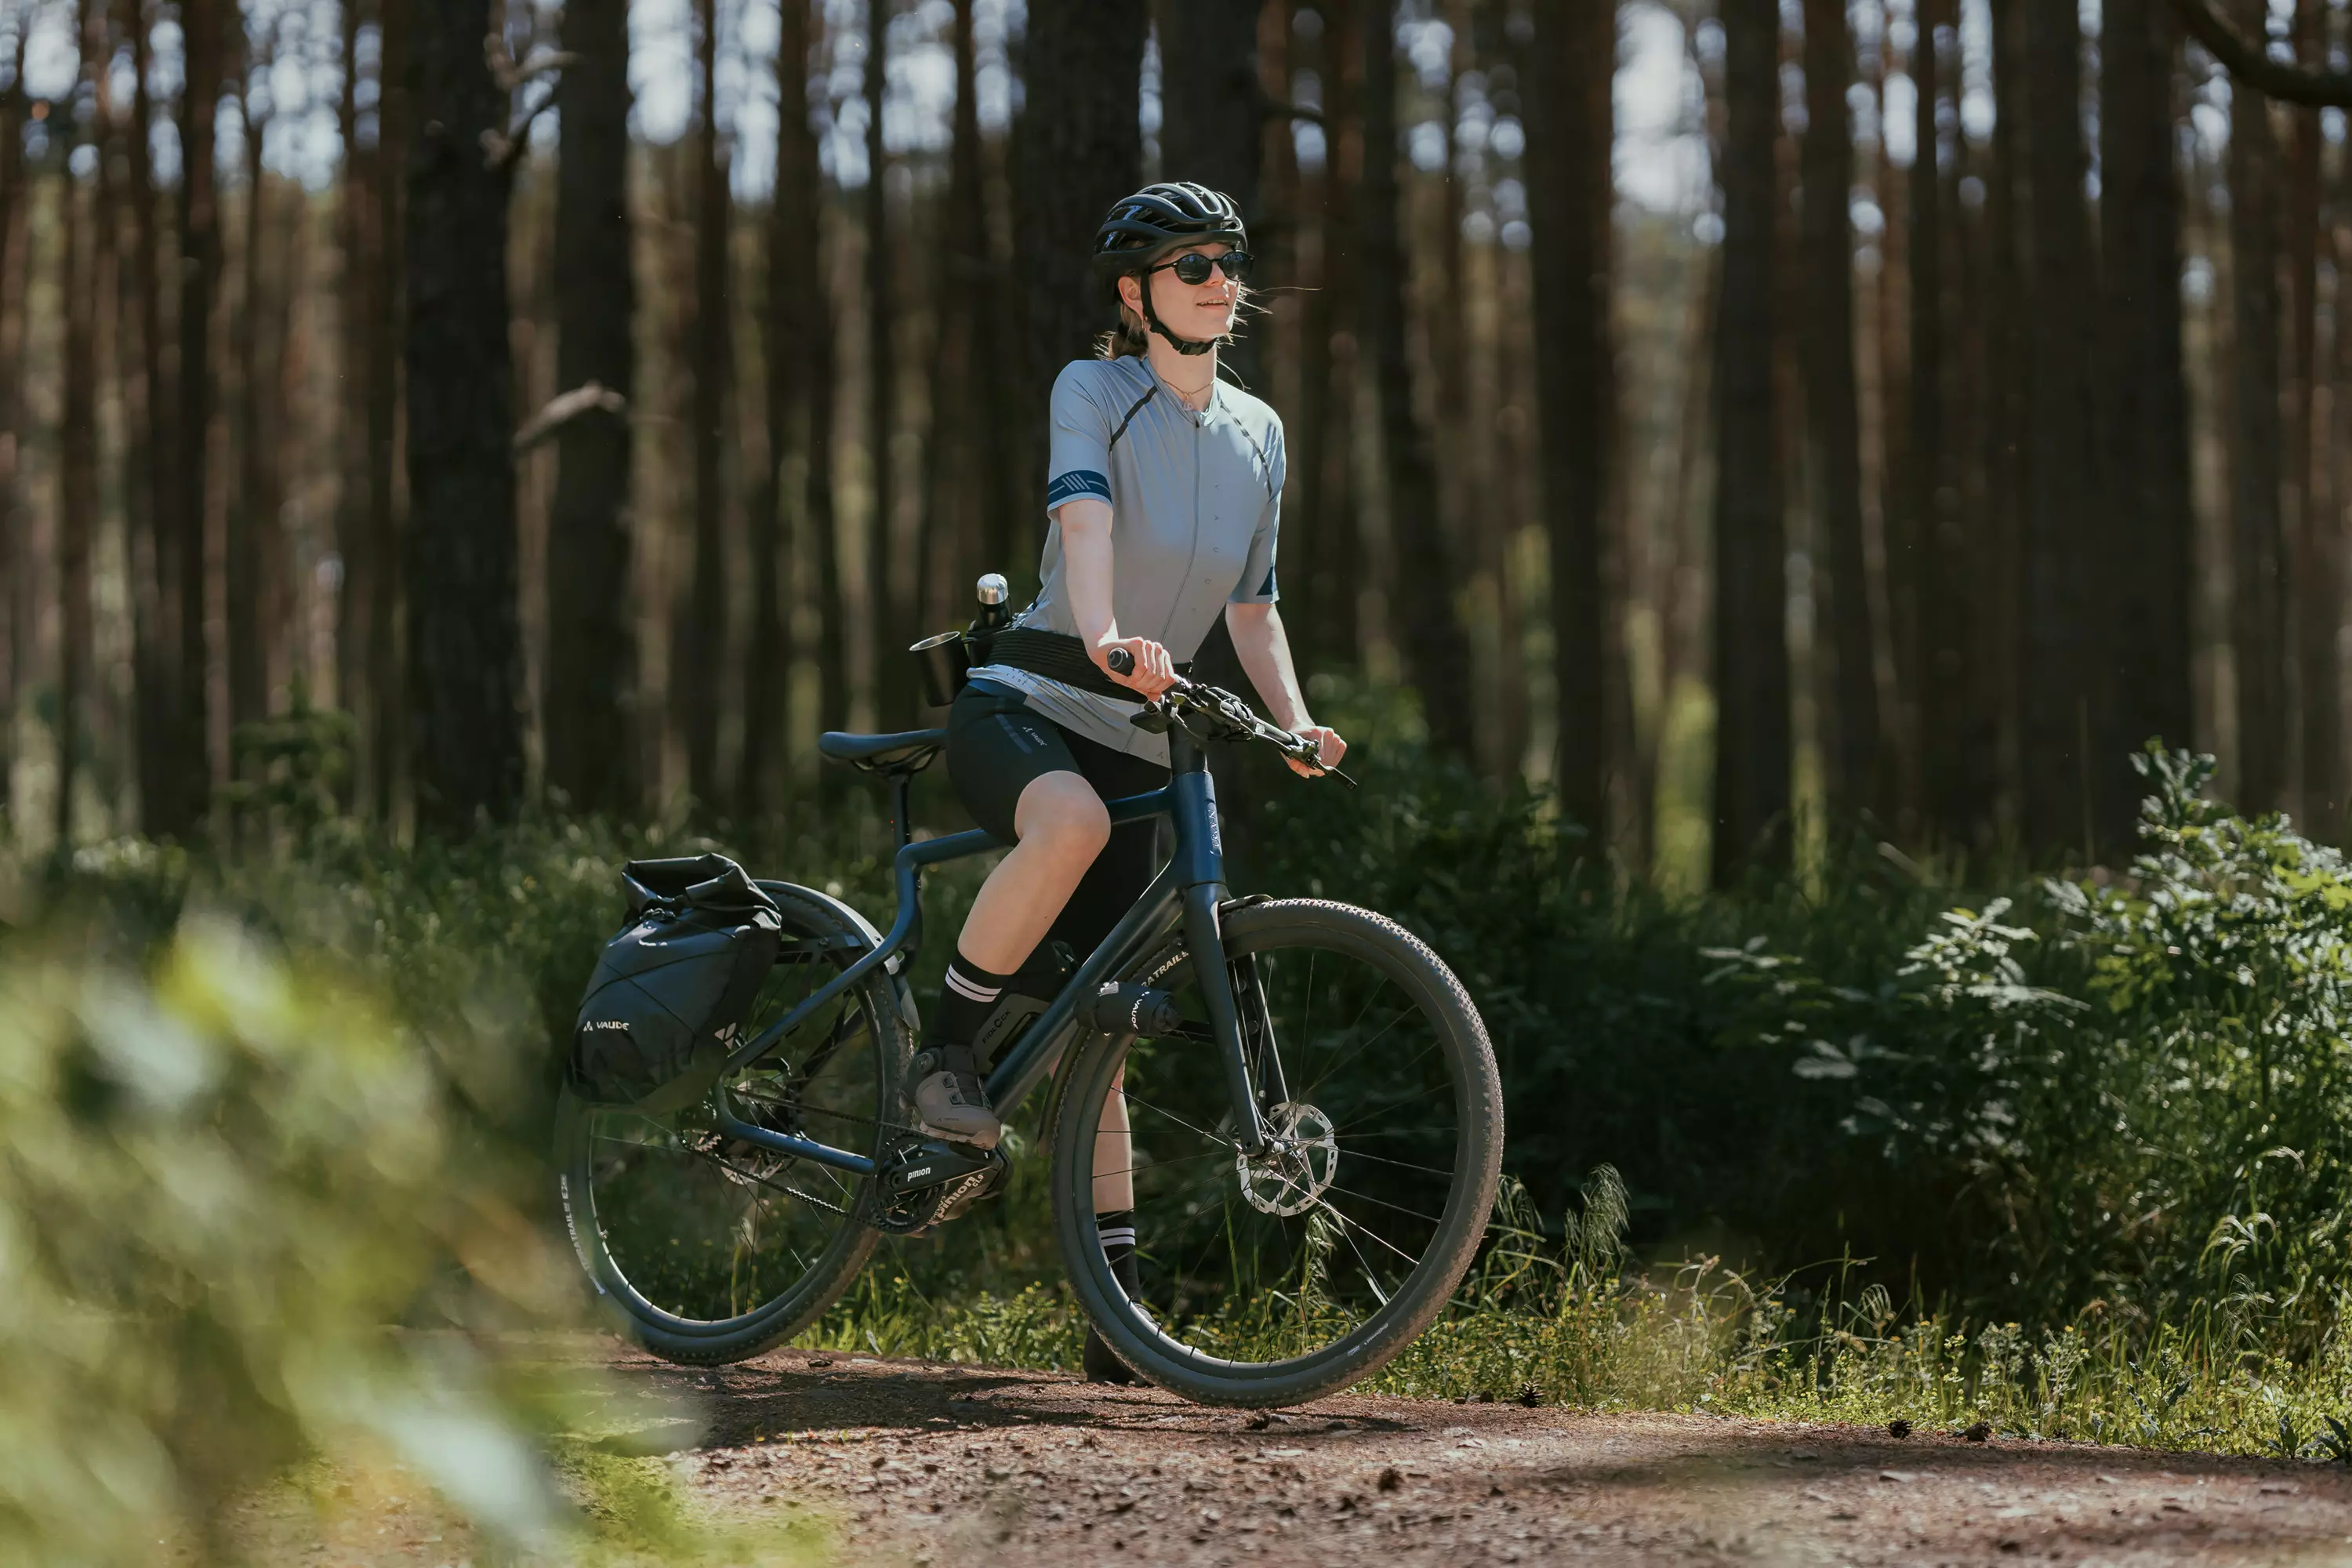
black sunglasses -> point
(1194, 268)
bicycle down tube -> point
(1190, 887)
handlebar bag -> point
(670, 993)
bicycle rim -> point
(712, 1248)
(1268, 1280)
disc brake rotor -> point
(1301, 1158)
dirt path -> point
(938, 1466)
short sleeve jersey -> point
(1195, 500)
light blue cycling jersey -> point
(1195, 503)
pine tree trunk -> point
(249, 694)
(696, 683)
(885, 577)
(290, 432)
(1316, 522)
(1428, 577)
(465, 654)
(955, 491)
(2318, 611)
(1211, 131)
(15, 244)
(1944, 642)
(2008, 365)
(2150, 543)
(78, 282)
(2335, 434)
(386, 364)
(591, 681)
(202, 25)
(823, 520)
(2258, 614)
(355, 248)
(1570, 201)
(2062, 489)
(779, 519)
(1832, 406)
(1079, 148)
(1751, 655)
(1966, 820)
(147, 455)
(1897, 588)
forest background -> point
(590, 403)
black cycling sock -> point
(967, 999)
(1118, 1232)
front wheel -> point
(1276, 1278)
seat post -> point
(902, 828)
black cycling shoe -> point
(1101, 1364)
(949, 1101)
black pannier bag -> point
(669, 996)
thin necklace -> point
(1201, 391)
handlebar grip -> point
(1122, 662)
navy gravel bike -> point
(1312, 1108)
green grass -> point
(1579, 1323)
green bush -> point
(2139, 1091)
(1618, 1042)
(222, 1180)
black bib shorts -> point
(996, 745)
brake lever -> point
(1158, 715)
(1306, 751)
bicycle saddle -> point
(910, 748)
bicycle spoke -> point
(1133, 1100)
(1353, 1226)
(1362, 1263)
(1391, 1105)
(1159, 1164)
(1383, 1202)
(1359, 1051)
(1400, 1164)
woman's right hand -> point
(1152, 673)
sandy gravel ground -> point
(932, 1466)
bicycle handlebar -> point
(1235, 716)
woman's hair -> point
(1128, 340)
(1132, 337)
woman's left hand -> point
(1329, 750)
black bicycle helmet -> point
(1156, 219)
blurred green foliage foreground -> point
(251, 1215)
(2070, 1155)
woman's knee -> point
(1062, 811)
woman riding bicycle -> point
(1297, 1096)
(1163, 495)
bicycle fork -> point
(1200, 849)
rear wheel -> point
(1275, 1279)
(712, 1249)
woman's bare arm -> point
(1265, 651)
(1086, 577)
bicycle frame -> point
(1189, 889)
